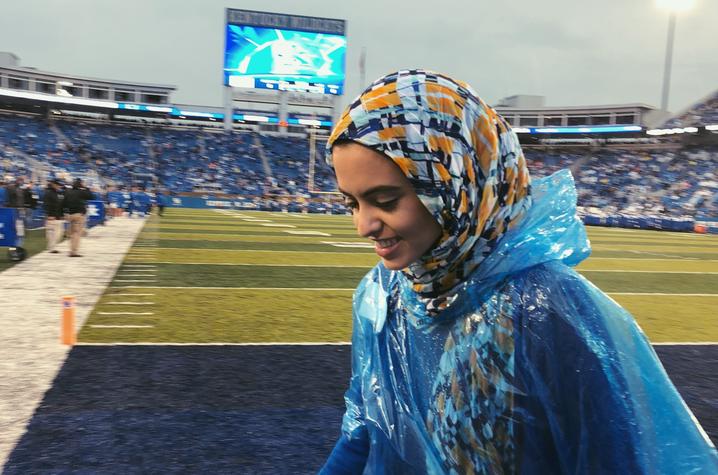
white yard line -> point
(307, 233)
(128, 303)
(688, 343)
(278, 343)
(263, 265)
(261, 250)
(318, 343)
(132, 295)
(659, 294)
(647, 271)
(130, 280)
(125, 313)
(121, 326)
(318, 289)
(363, 245)
(649, 259)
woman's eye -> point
(389, 204)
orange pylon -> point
(67, 326)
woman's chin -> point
(394, 264)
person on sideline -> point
(476, 347)
(75, 204)
(54, 223)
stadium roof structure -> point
(63, 76)
(20, 84)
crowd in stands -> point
(703, 113)
(673, 183)
(268, 169)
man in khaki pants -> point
(53, 209)
(75, 204)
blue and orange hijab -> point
(463, 159)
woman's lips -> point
(385, 247)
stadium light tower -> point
(674, 7)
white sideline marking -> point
(255, 220)
(646, 252)
(363, 245)
(259, 250)
(264, 265)
(139, 265)
(662, 294)
(316, 343)
(137, 275)
(129, 303)
(131, 295)
(325, 289)
(122, 326)
(125, 280)
(125, 313)
(308, 233)
(644, 259)
(273, 225)
(289, 343)
(688, 343)
(648, 271)
(602, 248)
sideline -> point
(30, 351)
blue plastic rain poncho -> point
(492, 355)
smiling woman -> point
(476, 347)
(384, 206)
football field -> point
(220, 346)
(220, 276)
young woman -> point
(476, 348)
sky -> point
(572, 52)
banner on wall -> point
(8, 229)
(95, 213)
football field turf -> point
(208, 295)
(208, 276)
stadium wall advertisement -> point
(284, 52)
(95, 213)
(618, 221)
(8, 232)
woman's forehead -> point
(360, 169)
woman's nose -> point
(367, 222)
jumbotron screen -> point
(281, 59)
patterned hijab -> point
(463, 160)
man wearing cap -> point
(75, 205)
(53, 209)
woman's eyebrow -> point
(374, 190)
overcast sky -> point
(573, 52)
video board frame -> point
(266, 50)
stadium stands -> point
(265, 171)
(702, 113)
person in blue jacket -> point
(476, 347)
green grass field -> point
(204, 276)
(34, 243)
